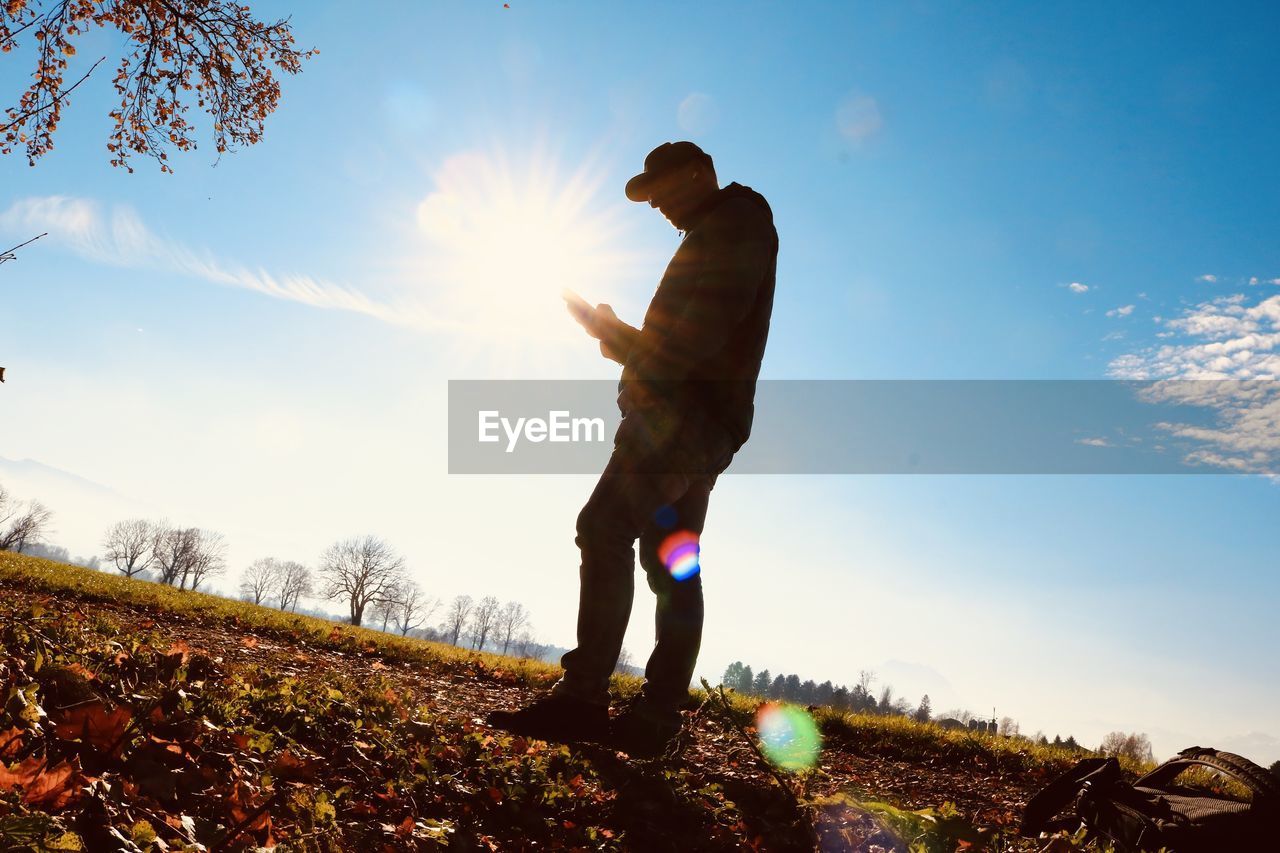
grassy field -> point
(140, 717)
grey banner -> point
(900, 427)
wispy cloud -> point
(1122, 311)
(1207, 278)
(120, 238)
(1078, 287)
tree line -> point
(184, 557)
(862, 699)
(857, 699)
(365, 574)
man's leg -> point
(619, 510)
(577, 707)
(677, 582)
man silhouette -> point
(687, 400)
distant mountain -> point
(82, 509)
(32, 472)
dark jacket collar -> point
(728, 191)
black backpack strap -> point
(1063, 791)
(1263, 784)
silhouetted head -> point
(677, 178)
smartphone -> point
(580, 308)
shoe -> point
(558, 718)
(641, 736)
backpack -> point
(1153, 813)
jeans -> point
(638, 498)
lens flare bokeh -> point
(788, 736)
(679, 553)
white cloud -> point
(120, 238)
(1094, 442)
(858, 117)
(1208, 278)
(1224, 338)
(1077, 287)
(1122, 311)
(1236, 343)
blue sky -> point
(941, 176)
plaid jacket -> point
(690, 376)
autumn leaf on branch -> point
(213, 53)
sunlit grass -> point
(46, 576)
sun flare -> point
(502, 242)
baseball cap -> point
(665, 158)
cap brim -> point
(638, 187)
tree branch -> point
(56, 99)
(8, 254)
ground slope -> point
(138, 717)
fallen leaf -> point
(10, 743)
(93, 723)
(44, 787)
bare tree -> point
(187, 555)
(624, 661)
(528, 647)
(1135, 746)
(171, 549)
(293, 583)
(360, 570)
(511, 620)
(411, 608)
(26, 527)
(208, 558)
(21, 524)
(456, 619)
(130, 545)
(261, 579)
(1008, 727)
(483, 621)
(382, 609)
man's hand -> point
(601, 323)
(594, 320)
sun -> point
(502, 240)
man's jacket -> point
(690, 376)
